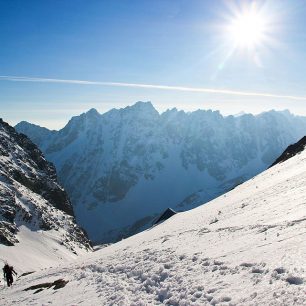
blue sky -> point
(160, 42)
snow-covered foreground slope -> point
(38, 250)
(37, 227)
(244, 248)
(123, 168)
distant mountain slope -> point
(245, 248)
(37, 134)
(291, 151)
(123, 168)
(32, 203)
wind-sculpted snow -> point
(123, 168)
(244, 248)
(32, 203)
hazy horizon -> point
(63, 123)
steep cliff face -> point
(30, 195)
(123, 168)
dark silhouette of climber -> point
(8, 274)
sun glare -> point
(247, 29)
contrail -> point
(152, 86)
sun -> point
(247, 29)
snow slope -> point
(246, 247)
(123, 168)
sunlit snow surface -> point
(244, 248)
(37, 249)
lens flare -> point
(247, 29)
(249, 26)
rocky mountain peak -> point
(92, 113)
(145, 108)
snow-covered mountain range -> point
(247, 247)
(122, 168)
(36, 216)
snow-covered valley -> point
(246, 247)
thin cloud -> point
(152, 86)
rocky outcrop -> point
(30, 194)
(291, 151)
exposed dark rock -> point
(58, 284)
(8, 233)
(291, 151)
(26, 273)
(168, 213)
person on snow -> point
(8, 274)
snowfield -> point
(246, 247)
(38, 249)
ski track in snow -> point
(247, 247)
